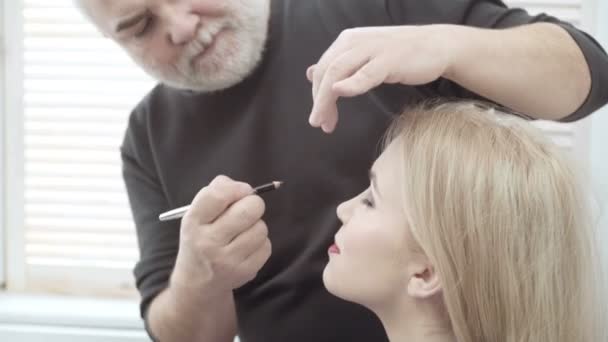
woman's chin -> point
(326, 278)
(330, 282)
(334, 284)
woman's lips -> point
(333, 249)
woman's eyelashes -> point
(368, 200)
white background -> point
(37, 318)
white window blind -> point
(3, 196)
(77, 90)
(572, 137)
(568, 10)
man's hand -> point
(505, 66)
(363, 58)
(224, 242)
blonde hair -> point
(503, 217)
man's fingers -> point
(237, 218)
(212, 200)
(337, 48)
(371, 75)
(252, 264)
(325, 111)
(248, 242)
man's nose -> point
(182, 25)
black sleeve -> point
(495, 14)
(158, 241)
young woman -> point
(475, 228)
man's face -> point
(201, 45)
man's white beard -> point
(228, 64)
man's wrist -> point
(461, 45)
(185, 291)
(196, 282)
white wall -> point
(2, 148)
(599, 135)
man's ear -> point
(424, 282)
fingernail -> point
(309, 72)
(246, 188)
(314, 120)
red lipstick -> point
(333, 249)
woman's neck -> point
(415, 321)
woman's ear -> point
(424, 282)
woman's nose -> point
(345, 209)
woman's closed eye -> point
(368, 200)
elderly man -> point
(234, 99)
